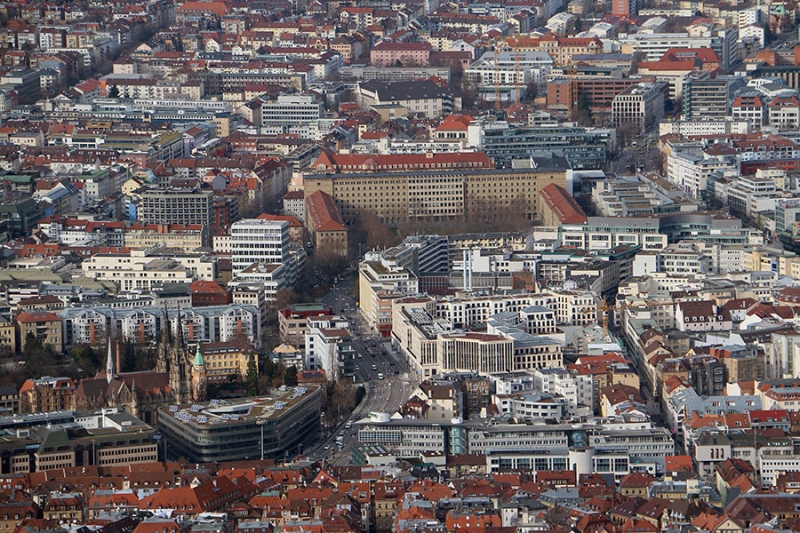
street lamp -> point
(261, 425)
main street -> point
(374, 358)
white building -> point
(144, 270)
(291, 109)
(224, 323)
(576, 389)
(257, 241)
(512, 69)
(690, 170)
(329, 346)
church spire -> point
(109, 363)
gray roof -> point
(405, 90)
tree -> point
(39, 358)
(86, 358)
(767, 34)
(290, 376)
(329, 265)
(113, 92)
(583, 111)
(532, 89)
(578, 26)
(373, 233)
(252, 376)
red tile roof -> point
(324, 213)
(562, 204)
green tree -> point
(86, 358)
(113, 92)
(32, 345)
(578, 26)
(290, 376)
(252, 376)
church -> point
(178, 378)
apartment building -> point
(41, 325)
(387, 54)
(183, 237)
(380, 281)
(293, 322)
(178, 206)
(218, 323)
(46, 394)
(750, 107)
(691, 170)
(784, 112)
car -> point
(348, 425)
(380, 376)
(327, 447)
(360, 355)
(374, 367)
(357, 369)
(396, 372)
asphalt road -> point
(374, 357)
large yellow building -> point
(445, 194)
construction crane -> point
(604, 308)
(496, 75)
(572, 91)
(517, 81)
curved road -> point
(383, 395)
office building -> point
(259, 242)
(705, 98)
(245, 428)
(325, 225)
(640, 106)
(178, 206)
(583, 148)
(290, 109)
(447, 194)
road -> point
(374, 357)
(644, 155)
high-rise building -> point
(258, 241)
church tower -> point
(199, 377)
(174, 360)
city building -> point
(395, 198)
(47, 394)
(329, 346)
(243, 429)
(259, 242)
(640, 106)
(177, 206)
(325, 225)
(43, 326)
(293, 322)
